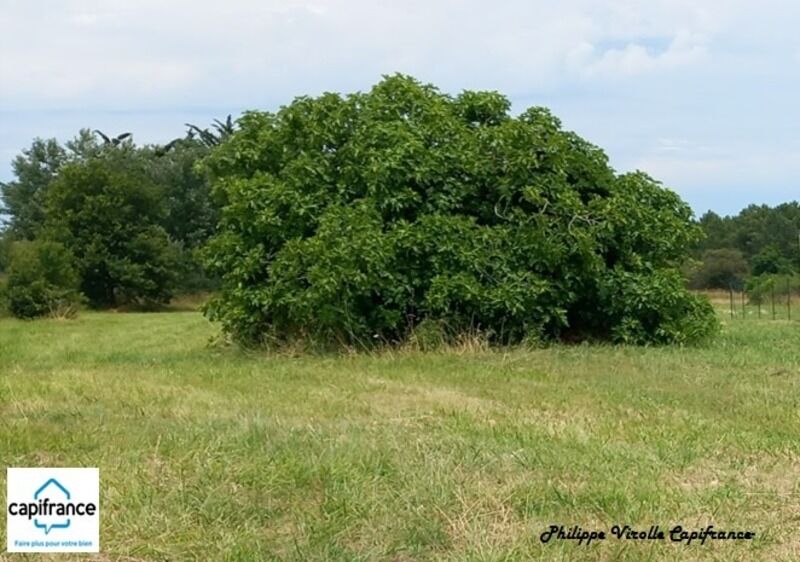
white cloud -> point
(685, 48)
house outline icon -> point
(47, 484)
(63, 490)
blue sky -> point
(701, 95)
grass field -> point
(209, 453)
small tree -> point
(760, 288)
(108, 213)
(42, 280)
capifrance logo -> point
(53, 509)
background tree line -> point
(757, 249)
(103, 220)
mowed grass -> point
(210, 453)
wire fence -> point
(774, 304)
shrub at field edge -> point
(352, 219)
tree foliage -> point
(23, 198)
(41, 280)
(108, 213)
(722, 268)
(191, 213)
(219, 131)
(5, 249)
(769, 286)
(354, 218)
(770, 260)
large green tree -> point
(192, 213)
(355, 218)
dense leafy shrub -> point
(354, 219)
(41, 280)
(652, 306)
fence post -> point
(744, 310)
(789, 298)
(730, 289)
(772, 295)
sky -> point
(701, 94)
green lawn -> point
(209, 453)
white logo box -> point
(53, 509)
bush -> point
(722, 268)
(354, 219)
(653, 307)
(41, 280)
